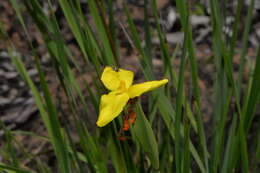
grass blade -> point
(143, 132)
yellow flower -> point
(120, 84)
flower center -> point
(122, 88)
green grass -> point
(169, 134)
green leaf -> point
(117, 156)
(143, 132)
(254, 96)
(49, 116)
(11, 169)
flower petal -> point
(111, 106)
(126, 76)
(113, 79)
(138, 89)
(110, 79)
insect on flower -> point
(119, 82)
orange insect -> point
(128, 119)
(126, 125)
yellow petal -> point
(110, 79)
(138, 89)
(126, 76)
(113, 79)
(111, 106)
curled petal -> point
(138, 89)
(113, 79)
(111, 106)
